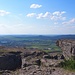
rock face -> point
(68, 48)
(10, 61)
(33, 53)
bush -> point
(68, 64)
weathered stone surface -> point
(38, 62)
(10, 61)
(34, 63)
(33, 53)
(56, 57)
(47, 57)
(68, 47)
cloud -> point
(42, 15)
(55, 18)
(72, 21)
(46, 15)
(39, 16)
(31, 14)
(3, 13)
(57, 15)
(56, 23)
(35, 6)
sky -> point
(41, 17)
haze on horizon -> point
(37, 17)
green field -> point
(45, 43)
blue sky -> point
(37, 17)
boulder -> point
(62, 57)
(10, 61)
(47, 56)
(51, 57)
(55, 57)
(38, 62)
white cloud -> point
(57, 15)
(35, 6)
(3, 13)
(39, 16)
(56, 23)
(53, 16)
(31, 14)
(63, 12)
(72, 21)
(46, 15)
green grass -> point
(68, 65)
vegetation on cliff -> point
(68, 64)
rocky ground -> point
(32, 62)
(35, 69)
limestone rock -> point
(68, 47)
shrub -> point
(68, 64)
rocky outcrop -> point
(33, 53)
(68, 48)
(31, 62)
(10, 61)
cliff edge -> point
(68, 48)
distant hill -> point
(32, 40)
